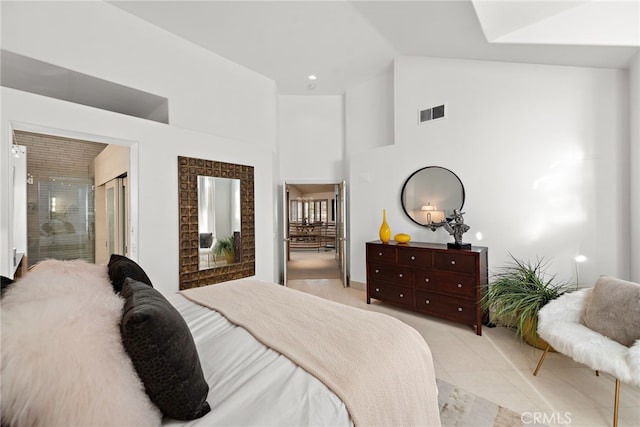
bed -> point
(262, 355)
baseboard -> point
(358, 285)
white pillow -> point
(63, 363)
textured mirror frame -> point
(188, 170)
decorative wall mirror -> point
(430, 195)
(217, 234)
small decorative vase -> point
(385, 230)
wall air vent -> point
(430, 114)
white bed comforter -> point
(250, 384)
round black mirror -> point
(431, 194)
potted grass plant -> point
(517, 292)
(224, 247)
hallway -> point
(313, 264)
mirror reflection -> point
(238, 214)
(431, 194)
(218, 222)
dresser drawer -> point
(391, 273)
(430, 280)
(415, 257)
(458, 262)
(445, 306)
(381, 253)
(387, 292)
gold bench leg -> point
(546, 350)
(616, 403)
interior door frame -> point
(285, 232)
(132, 174)
(119, 204)
(341, 233)
(342, 244)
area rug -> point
(460, 408)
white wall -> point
(369, 108)
(206, 92)
(209, 101)
(634, 138)
(310, 149)
(311, 138)
(154, 176)
(18, 206)
(541, 151)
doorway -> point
(63, 200)
(314, 229)
(60, 196)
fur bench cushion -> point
(63, 362)
(614, 310)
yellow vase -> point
(385, 230)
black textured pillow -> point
(6, 282)
(158, 341)
(121, 267)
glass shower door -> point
(60, 224)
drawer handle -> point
(400, 275)
(459, 285)
(401, 295)
(379, 253)
(377, 289)
(413, 258)
(453, 262)
(426, 302)
(377, 271)
(459, 308)
(426, 279)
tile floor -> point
(498, 368)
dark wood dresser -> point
(429, 278)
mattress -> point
(250, 384)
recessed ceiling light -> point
(312, 77)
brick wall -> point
(52, 156)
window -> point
(308, 211)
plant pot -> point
(230, 257)
(532, 338)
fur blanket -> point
(63, 363)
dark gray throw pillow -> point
(120, 267)
(160, 345)
(6, 282)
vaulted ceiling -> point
(344, 43)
